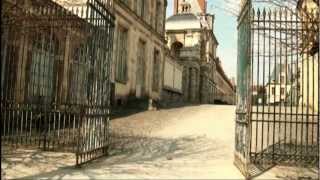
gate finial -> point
(264, 13)
(285, 13)
(258, 13)
(253, 13)
(269, 13)
(275, 12)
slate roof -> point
(183, 17)
(183, 21)
(275, 76)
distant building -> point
(224, 89)
(190, 36)
(279, 86)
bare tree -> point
(285, 9)
(232, 7)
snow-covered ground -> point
(189, 142)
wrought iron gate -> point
(278, 89)
(55, 76)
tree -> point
(294, 10)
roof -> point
(182, 17)
(183, 21)
(280, 68)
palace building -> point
(138, 51)
(191, 38)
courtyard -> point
(192, 142)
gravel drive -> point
(193, 142)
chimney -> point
(203, 6)
(175, 7)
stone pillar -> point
(150, 104)
(194, 86)
(204, 90)
(186, 81)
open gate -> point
(55, 76)
(277, 118)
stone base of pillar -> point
(151, 105)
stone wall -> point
(191, 80)
(171, 98)
(139, 29)
(204, 91)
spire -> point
(190, 6)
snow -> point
(189, 142)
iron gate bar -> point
(41, 61)
(283, 114)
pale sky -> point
(225, 31)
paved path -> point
(189, 142)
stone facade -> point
(172, 91)
(225, 89)
(139, 50)
(171, 98)
(191, 39)
(64, 65)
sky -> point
(225, 30)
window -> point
(125, 2)
(40, 86)
(158, 17)
(186, 8)
(282, 91)
(79, 71)
(141, 65)
(146, 11)
(9, 68)
(121, 55)
(135, 6)
(141, 7)
(156, 71)
(273, 91)
(175, 48)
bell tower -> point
(196, 6)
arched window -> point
(41, 75)
(78, 78)
(186, 7)
(10, 46)
(175, 48)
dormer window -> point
(186, 7)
